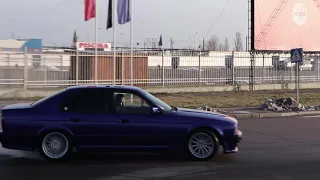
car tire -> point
(202, 145)
(55, 140)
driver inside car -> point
(119, 102)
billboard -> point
(281, 25)
(91, 46)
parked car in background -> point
(306, 66)
(286, 64)
(114, 118)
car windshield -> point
(164, 106)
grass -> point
(236, 99)
(229, 99)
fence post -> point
(251, 71)
(233, 71)
(131, 67)
(263, 68)
(61, 72)
(162, 68)
(199, 68)
(7, 70)
(291, 74)
(277, 69)
(114, 65)
(25, 71)
(122, 65)
(77, 66)
(96, 68)
(45, 72)
(317, 69)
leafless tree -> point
(226, 44)
(221, 47)
(213, 43)
(238, 44)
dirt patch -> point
(236, 99)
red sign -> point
(90, 45)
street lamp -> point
(194, 40)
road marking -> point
(311, 116)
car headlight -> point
(237, 131)
(232, 119)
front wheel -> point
(203, 145)
(55, 146)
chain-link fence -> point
(151, 68)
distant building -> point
(20, 45)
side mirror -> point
(155, 110)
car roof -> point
(132, 88)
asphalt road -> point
(273, 148)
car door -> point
(143, 129)
(85, 113)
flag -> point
(160, 41)
(124, 11)
(109, 18)
(89, 9)
(75, 38)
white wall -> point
(46, 59)
(215, 59)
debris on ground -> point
(285, 104)
(207, 108)
(216, 110)
(277, 105)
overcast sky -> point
(55, 20)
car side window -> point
(85, 101)
(129, 103)
(93, 101)
(71, 102)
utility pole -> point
(203, 44)
(246, 43)
(171, 43)
(12, 35)
(195, 41)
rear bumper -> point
(18, 142)
(230, 143)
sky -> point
(54, 21)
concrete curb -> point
(274, 114)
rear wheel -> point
(203, 145)
(55, 146)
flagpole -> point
(131, 41)
(114, 24)
(96, 42)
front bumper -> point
(238, 136)
(230, 143)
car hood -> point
(206, 115)
(17, 106)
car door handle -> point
(75, 119)
(123, 120)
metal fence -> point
(150, 68)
